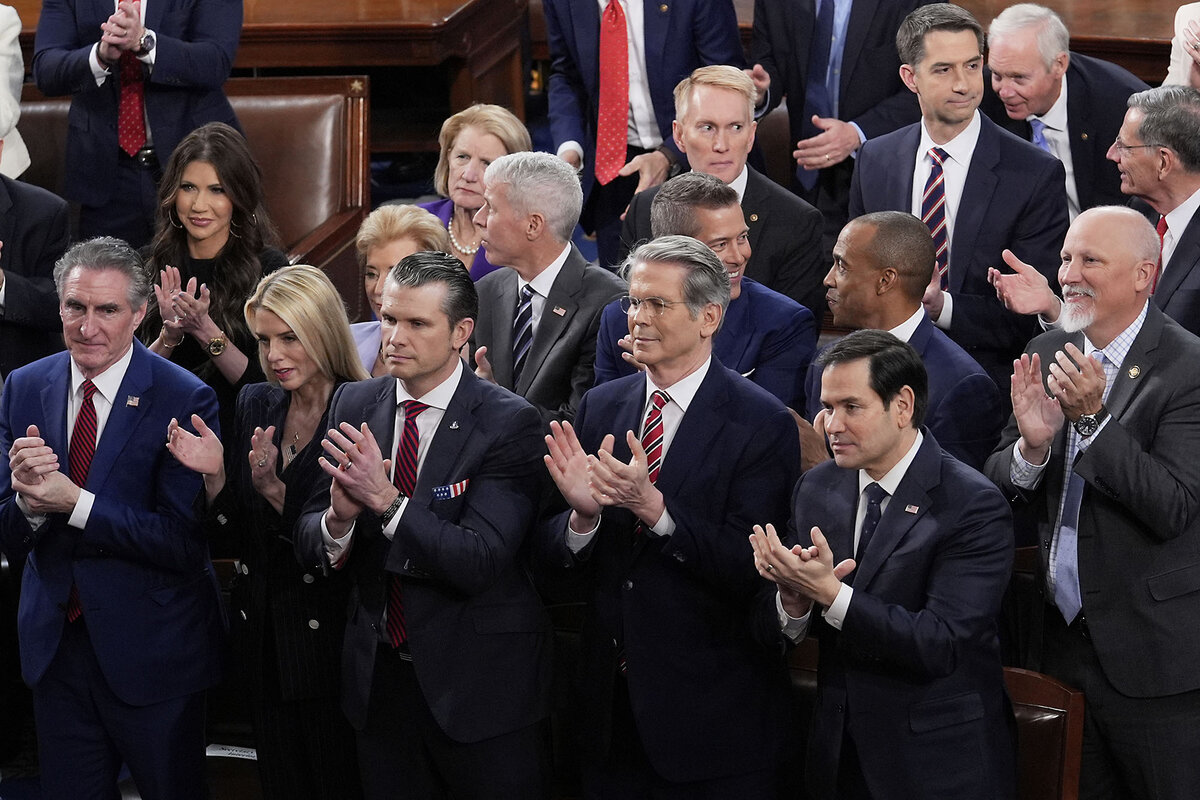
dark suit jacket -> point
(1178, 291)
(1139, 522)
(1096, 95)
(765, 336)
(274, 598)
(965, 410)
(785, 239)
(1015, 197)
(195, 45)
(679, 36)
(33, 228)
(914, 675)
(559, 367)
(479, 638)
(141, 564)
(706, 695)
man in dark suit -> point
(664, 43)
(435, 483)
(765, 336)
(882, 263)
(1102, 442)
(714, 127)
(1068, 104)
(855, 93)
(160, 63)
(996, 191)
(1158, 154)
(120, 621)
(538, 319)
(33, 234)
(679, 698)
(907, 553)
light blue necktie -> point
(1039, 134)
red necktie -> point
(405, 480)
(131, 117)
(79, 461)
(1162, 232)
(652, 434)
(933, 213)
(612, 134)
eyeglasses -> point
(655, 305)
(1124, 149)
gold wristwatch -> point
(217, 344)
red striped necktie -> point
(406, 481)
(79, 462)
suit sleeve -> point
(716, 35)
(205, 58)
(609, 364)
(763, 50)
(499, 508)
(16, 535)
(583, 375)
(968, 419)
(60, 60)
(569, 101)
(800, 268)
(30, 298)
(635, 229)
(784, 358)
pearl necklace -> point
(466, 251)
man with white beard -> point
(1119, 523)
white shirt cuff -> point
(577, 541)
(835, 615)
(336, 549)
(945, 319)
(83, 509)
(794, 628)
(1022, 473)
(99, 71)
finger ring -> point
(262, 463)
(770, 567)
(828, 157)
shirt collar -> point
(544, 280)
(891, 481)
(905, 330)
(683, 390)
(1180, 216)
(1056, 118)
(437, 397)
(960, 147)
(738, 184)
(1118, 348)
(107, 383)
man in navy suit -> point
(665, 43)
(882, 263)
(175, 53)
(664, 472)
(899, 557)
(1074, 102)
(33, 234)
(765, 336)
(714, 127)
(435, 481)
(1157, 152)
(120, 622)
(856, 96)
(544, 348)
(1000, 192)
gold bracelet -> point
(163, 336)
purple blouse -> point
(442, 209)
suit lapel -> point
(862, 14)
(753, 207)
(381, 418)
(129, 407)
(1082, 142)
(453, 432)
(656, 20)
(701, 425)
(910, 503)
(54, 410)
(841, 506)
(898, 183)
(976, 197)
(1142, 356)
(557, 313)
(1183, 261)
(500, 354)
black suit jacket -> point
(479, 637)
(560, 364)
(33, 228)
(1096, 95)
(914, 675)
(1178, 290)
(785, 239)
(707, 695)
(1015, 197)
(1139, 521)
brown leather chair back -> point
(1049, 735)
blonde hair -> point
(719, 76)
(493, 119)
(306, 300)
(386, 224)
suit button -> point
(312, 623)
(627, 585)
(308, 578)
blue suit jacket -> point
(195, 45)
(914, 676)
(1096, 95)
(679, 36)
(1015, 197)
(706, 694)
(965, 410)
(766, 337)
(479, 637)
(141, 564)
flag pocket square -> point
(453, 490)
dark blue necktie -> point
(817, 99)
(875, 494)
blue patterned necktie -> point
(522, 331)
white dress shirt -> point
(541, 284)
(1058, 137)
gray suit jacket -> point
(1139, 522)
(559, 368)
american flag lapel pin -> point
(450, 491)
(911, 509)
(131, 401)
(560, 311)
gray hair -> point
(427, 267)
(1052, 35)
(673, 210)
(542, 183)
(106, 252)
(706, 281)
(910, 38)
(1171, 118)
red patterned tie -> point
(406, 481)
(652, 433)
(933, 212)
(612, 132)
(79, 461)
(1162, 233)
(131, 117)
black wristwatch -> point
(145, 44)
(1087, 424)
